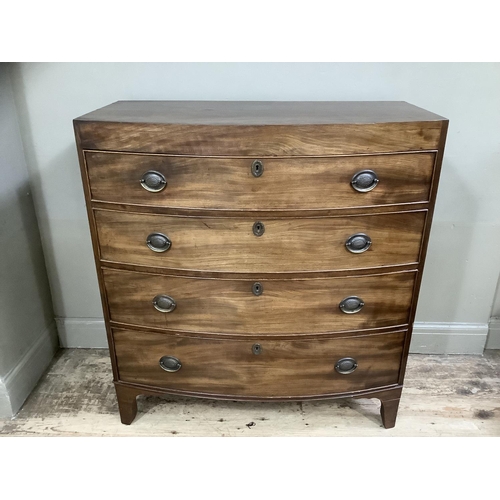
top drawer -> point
(266, 128)
(273, 184)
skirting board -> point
(428, 338)
(448, 338)
(17, 385)
(494, 334)
(82, 332)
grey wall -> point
(463, 262)
(494, 330)
(27, 331)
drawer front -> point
(273, 307)
(286, 245)
(284, 368)
(282, 184)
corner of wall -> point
(5, 406)
(493, 341)
(17, 385)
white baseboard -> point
(82, 332)
(448, 338)
(17, 385)
(428, 338)
(494, 334)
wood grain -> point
(287, 245)
(286, 184)
(257, 275)
(259, 128)
(285, 306)
(425, 242)
(236, 113)
(443, 396)
(305, 201)
(389, 412)
(285, 140)
(258, 214)
(283, 369)
(127, 403)
(96, 252)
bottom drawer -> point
(279, 369)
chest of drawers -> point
(260, 250)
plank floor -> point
(443, 396)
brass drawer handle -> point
(351, 305)
(257, 168)
(164, 303)
(346, 365)
(358, 243)
(170, 364)
(364, 181)
(158, 242)
(153, 181)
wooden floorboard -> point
(448, 395)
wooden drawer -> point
(284, 306)
(287, 245)
(285, 184)
(284, 368)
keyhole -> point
(257, 168)
(258, 228)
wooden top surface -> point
(260, 112)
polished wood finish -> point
(259, 113)
(255, 141)
(283, 368)
(389, 412)
(286, 306)
(425, 243)
(95, 248)
(304, 198)
(286, 184)
(430, 406)
(256, 276)
(127, 403)
(259, 128)
(127, 393)
(288, 245)
(257, 214)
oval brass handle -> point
(364, 181)
(351, 305)
(358, 243)
(164, 303)
(170, 364)
(153, 181)
(158, 242)
(257, 168)
(346, 365)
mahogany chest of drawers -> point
(260, 250)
